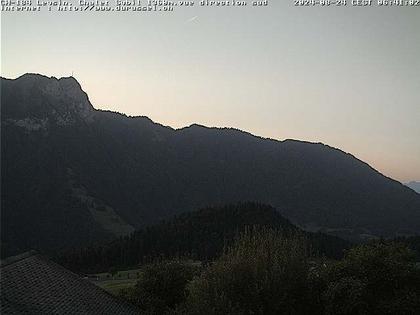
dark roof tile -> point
(32, 284)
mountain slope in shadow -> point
(73, 175)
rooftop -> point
(32, 284)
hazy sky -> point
(348, 77)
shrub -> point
(161, 286)
(378, 278)
(262, 273)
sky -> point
(347, 76)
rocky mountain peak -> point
(37, 97)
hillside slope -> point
(200, 235)
(73, 175)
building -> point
(32, 284)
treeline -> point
(201, 235)
(263, 272)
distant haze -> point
(348, 77)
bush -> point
(161, 286)
(378, 278)
(262, 273)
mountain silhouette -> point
(414, 186)
(73, 175)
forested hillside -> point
(200, 235)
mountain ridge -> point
(99, 172)
(193, 125)
(414, 185)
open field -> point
(115, 286)
(114, 283)
(124, 279)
